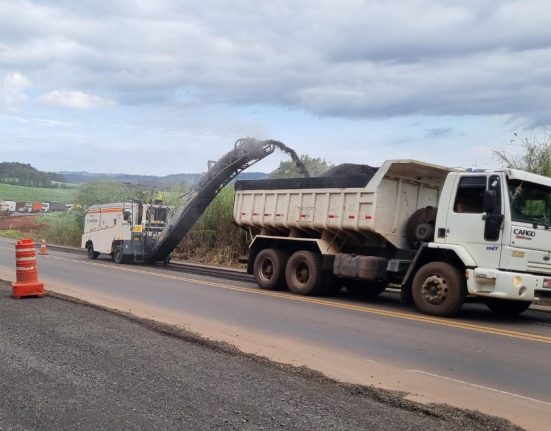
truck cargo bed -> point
(304, 183)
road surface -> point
(67, 366)
(477, 361)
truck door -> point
(466, 219)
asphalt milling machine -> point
(145, 233)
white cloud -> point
(244, 65)
(73, 99)
(346, 58)
(12, 86)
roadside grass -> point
(64, 228)
(215, 239)
(11, 192)
(11, 233)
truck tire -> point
(118, 254)
(507, 307)
(269, 268)
(91, 253)
(304, 274)
(365, 289)
(438, 289)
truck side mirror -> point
(489, 202)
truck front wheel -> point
(91, 253)
(304, 274)
(507, 307)
(269, 268)
(118, 255)
(438, 289)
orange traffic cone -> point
(43, 248)
(27, 283)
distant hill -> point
(22, 174)
(147, 180)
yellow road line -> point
(329, 303)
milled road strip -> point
(329, 303)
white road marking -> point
(511, 394)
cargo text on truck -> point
(439, 234)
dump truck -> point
(31, 207)
(4, 208)
(52, 206)
(147, 233)
(438, 234)
(7, 207)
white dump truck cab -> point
(499, 223)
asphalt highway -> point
(477, 361)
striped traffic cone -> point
(27, 283)
(43, 248)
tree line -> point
(23, 174)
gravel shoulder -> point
(67, 365)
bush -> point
(63, 228)
(535, 154)
(214, 238)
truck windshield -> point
(530, 202)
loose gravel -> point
(67, 365)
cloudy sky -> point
(162, 86)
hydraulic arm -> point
(245, 153)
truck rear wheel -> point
(438, 289)
(91, 253)
(304, 274)
(507, 307)
(269, 268)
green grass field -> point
(10, 192)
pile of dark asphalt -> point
(66, 365)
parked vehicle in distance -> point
(4, 208)
(31, 207)
(53, 206)
(7, 207)
(439, 234)
(19, 205)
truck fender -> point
(453, 254)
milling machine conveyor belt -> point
(245, 153)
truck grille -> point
(538, 267)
